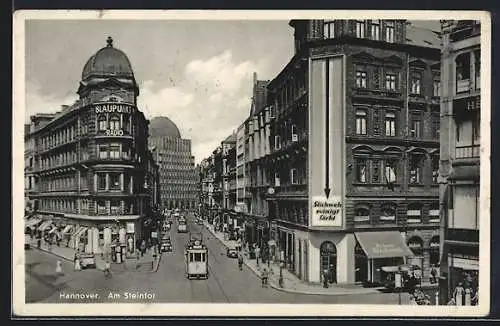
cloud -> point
(209, 103)
(38, 102)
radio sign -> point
(114, 132)
(112, 108)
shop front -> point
(384, 248)
(463, 274)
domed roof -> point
(108, 61)
(163, 127)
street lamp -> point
(270, 192)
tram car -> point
(196, 256)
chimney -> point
(255, 78)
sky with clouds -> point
(197, 73)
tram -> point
(196, 256)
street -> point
(226, 283)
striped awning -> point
(32, 222)
(45, 225)
(80, 231)
(67, 229)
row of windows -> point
(468, 71)
(391, 82)
(388, 212)
(388, 170)
(114, 151)
(292, 212)
(113, 181)
(390, 126)
(114, 121)
(58, 137)
(366, 29)
(59, 183)
(60, 159)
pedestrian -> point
(433, 275)
(325, 278)
(107, 269)
(240, 261)
(333, 274)
(59, 270)
(264, 276)
(77, 265)
(458, 294)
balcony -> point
(467, 152)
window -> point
(361, 79)
(462, 63)
(362, 215)
(388, 213)
(477, 68)
(435, 126)
(101, 181)
(295, 137)
(329, 31)
(360, 122)
(375, 30)
(435, 169)
(277, 179)
(416, 163)
(390, 171)
(126, 124)
(115, 207)
(390, 82)
(389, 32)
(436, 87)
(277, 142)
(101, 207)
(415, 84)
(476, 125)
(413, 214)
(114, 151)
(102, 121)
(103, 151)
(294, 176)
(360, 28)
(390, 124)
(114, 122)
(361, 167)
(416, 127)
(114, 181)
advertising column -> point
(327, 168)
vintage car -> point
(408, 282)
(166, 246)
(232, 253)
(87, 260)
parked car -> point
(232, 253)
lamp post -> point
(270, 192)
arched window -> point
(102, 121)
(362, 214)
(416, 245)
(388, 213)
(114, 122)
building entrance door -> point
(361, 264)
(328, 259)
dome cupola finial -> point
(109, 40)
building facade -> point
(460, 152)
(178, 176)
(91, 159)
(229, 172)
(242, 197)
(354, 139)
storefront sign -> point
(130, 228)
(112, 108)
(464, 263)
(114, 132)
(326, 212)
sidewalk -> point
(292, 283)
(145, 263)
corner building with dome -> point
(93, 168)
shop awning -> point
(80, 231)
(384, 244)
(32, 222)
(67, 229)
(45, 225)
